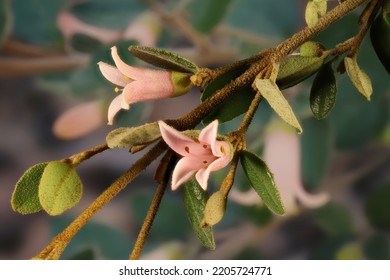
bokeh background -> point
(53, 103)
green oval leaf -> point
(164, 59)
(132, 136)
(262, 181)
(380, 38)
(235, 105)
(359, 78)
(270, 91)
(60, 188)
(296, 68)
(195, 198)
(323, 92)
(25, 196)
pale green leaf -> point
(322, 6)
(311, 14)
(359, 78)
(25, 196)
(270, 91)
(195, 200)
(164, 59)
(262, 181)
(132, 136)
(60, 188)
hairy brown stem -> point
(194, 117)
(163, 169)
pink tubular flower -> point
(140, 84)
(282, 153)
(199, 156)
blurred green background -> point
(48, 55)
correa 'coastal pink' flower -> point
(282, 155)
(199, 156)
(140, 84)
(88, 116)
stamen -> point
(196, 141)
(223, 150)
(187, 149)
(205, 146)
(205, 161)
(117, 89)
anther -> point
(187, 149)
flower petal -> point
(311, 200)
(184, 170)
(181, 144)
(209, 133)
(141, 90)
(113, 74)
(202, 176)
(221, 149)
(116, 105)
(135, 73)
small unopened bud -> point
(214, 209)
(311, 48)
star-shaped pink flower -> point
(140, 84)
(200, 156)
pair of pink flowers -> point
(200, 156)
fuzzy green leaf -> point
(359, 78)
(323, 92)
(235, 105)
(296, 68)
(25, 196)
(270, 91)
(262, 181)
(195, 200)
(311, 14)
(125, 137)
(60, 188)
(164, 59)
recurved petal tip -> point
(116, 105)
